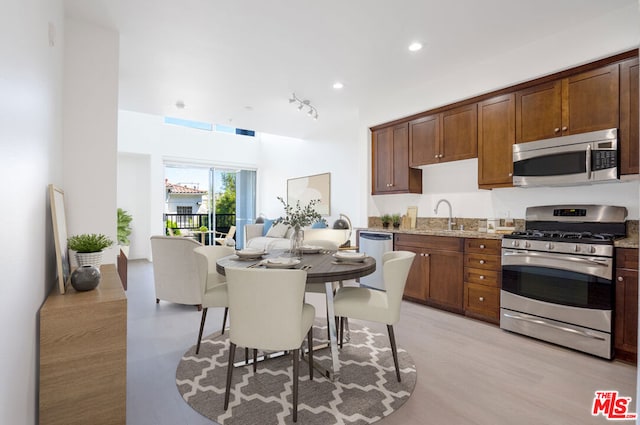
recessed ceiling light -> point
(180, 104)
(415, 46)
(338, 85)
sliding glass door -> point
(213, 197)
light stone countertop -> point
(630, 242)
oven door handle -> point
(592, 266)
(550, 325)
(604, 262)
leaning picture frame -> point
(305, 189)
(59, 221)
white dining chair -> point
(213, 288)
(374, 305)
(275, 320)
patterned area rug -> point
(366, 392)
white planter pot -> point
(89, 258)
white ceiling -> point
(237, 62)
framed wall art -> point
(304, 189)
(59, 221)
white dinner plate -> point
(249, 253)
(281, 263)
(350, 256)
(310, 249)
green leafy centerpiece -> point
(298, 217)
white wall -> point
(90, 130)
(31, 141)
(457, 181)
(134, 196)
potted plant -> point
(396, 219)
(124, 230)
(88, 248)
(386, 219)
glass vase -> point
(297, 239)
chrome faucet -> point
(435, 210)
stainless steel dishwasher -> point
(374, 244)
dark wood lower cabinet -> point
(436, 275)
(626, 308)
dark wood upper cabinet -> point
(580, 103)
(628, 138)
(496, 136)
(539, 112)
(382, 155)
(424, 136)
(451, 135)
(390, 162)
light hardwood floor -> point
(469, 372)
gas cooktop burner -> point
(567, 237)
(560, 235)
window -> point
(184, 210)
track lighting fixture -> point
(302, 104)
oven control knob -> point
(577, 248)
(515, 243)
(527, 244)
(549, 245)
(592, 249)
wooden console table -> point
(83, 354)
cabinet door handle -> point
(564, 128)
(556, 130)
(481, 299)
(510, 174)
(482, 246)
(481, 261)
(620, 278)
(481, 277)
(436, 156)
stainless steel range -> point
(557, 276)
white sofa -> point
(255, 238)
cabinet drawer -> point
(482, 300)
(483, 246)
(440, 243)
(627, 258)
(482, 277)
(481, 261)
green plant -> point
(386, 219)
(396, 219)
(89, 242)
(124, 226)
(204, 229)
(298, 217)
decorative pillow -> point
(319, 225)
(278, 231)
(267, 226)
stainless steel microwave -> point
(568, 160)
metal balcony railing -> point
(187, 223)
